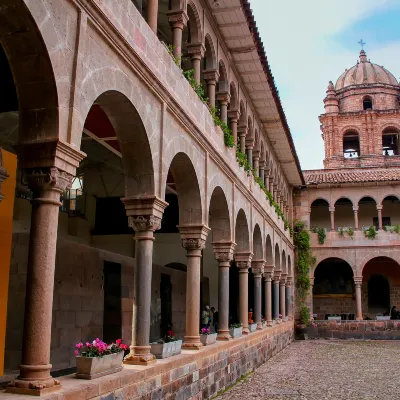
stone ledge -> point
(208, 370)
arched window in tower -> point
(351, 144)
(367, 103)
(390, 142)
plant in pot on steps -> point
(235, 330)
(167, 346)
(207, 337)
(95, 359)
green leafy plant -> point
(304, 261)
(228, 137)
(233, 326)
(341, 232)
(241, 158)
(189, 75)
(350, 231)
(321, 234)
(370, 233)
(171, 52)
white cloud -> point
(299, 39)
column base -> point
(34, 387)
(259, 326)
(224, 335)
(245, 331)
(140, 355)
(359, 319)
(192, 343)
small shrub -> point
(370, 233)
(350, 231)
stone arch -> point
(363, 196)
(351, 143)
(33, 73)
(257, 244)
(194, 23)
(382, 252)
(284, 267)
(242, 232)
(337, 198)
(188, 190)
(382, 196)
(269, 255)
(210, 55)
(390, 140)
(220, 221)
(318, 197)
(343, 256)
(289, 266)
(233, 104)
(135, 148)
(223, 77)
(277, 257)
(320, 214)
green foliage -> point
(350, 231)
(241, 158)
(341, 232)
(321, 234)
(370, 233)
(304, 261)
(189, 75)
(171, 51)
(228, 137)
(397, 229)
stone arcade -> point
(95, 110)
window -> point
(351, 145)
(390, 142)
(367, 103)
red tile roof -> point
(320, 176)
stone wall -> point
(191, 375)
(334, 305)
(373, 330)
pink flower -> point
(79, 345)
(77, 352)
(118, 341)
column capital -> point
(262, 164)
(234, 115)
(243, 260)
(242, 130)
(379, 208)
(196, 50)
(257, 267)
(256, 154)
(250, 142)
(193, 236)
(144, 223)
(358, 281)
(289, 281)
(283, 279)
(331, 209)
(223, 251)
(144, 207)
(277, 275)
(211, 76)
(355, 208)
(3, 173)
(177, 18)
(223, 97)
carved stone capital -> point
(234, 115)
(283, 279)
(242, 130)
(358, 281)
(144, 206)
(193, 243)
(196, 50)
(277, 275)
(223, 97)
(243, 260)
(144, 223)
(250, 142)
(177, 18)
(257, 267)
(211, 76)
(39, 179)
(223, 251)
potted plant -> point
(97, 358)
(252, 327)
(167, 346)
(206, 337)
(380, 317)
(334, 317)
(235, 330)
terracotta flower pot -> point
(208, 339)
(165, 350)
(94, 367)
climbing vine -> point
(321, 234)
(304, 261)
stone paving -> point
(326, 369)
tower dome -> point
(365, 73)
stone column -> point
(332, 212)
(152, 13)
(177, 19)
(193, 240)
(3, 173)
(243, 263)
(282, 292)
(262, 171)
(380, 225)
(289, 281)
(256, 161)
(223, 252)
(355, 210)
(268, 274)
(358, 283)
(144, 217)
(242, 132)
(257, 267)
(46, 184)
(223, 98)
(311, 298)
(250, 146)
(275, 280)
(234, 118)
(211, 76)
(196, 52)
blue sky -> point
(308, 43)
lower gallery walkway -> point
(325, 369)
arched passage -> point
(390, 212)
(344, 214)
(320, 216)
(219, 219)
(269, 256)
(277, 258)
(242, 233)
(367, 213)
(334, 291)
(380, 288)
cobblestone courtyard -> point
(322, 369)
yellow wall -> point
(6, 227)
